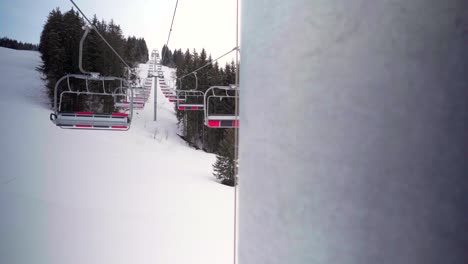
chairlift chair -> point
(126, 105)
(224, 120)
(126, 102)
(168, 91)
(140, 99)
(90, 120)
(140, 90)
(175, 98)
(144, 91)
(193, 100)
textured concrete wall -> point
(354, 134)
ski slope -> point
(82, 196)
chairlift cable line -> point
(102, 37)
(236, 135)
(169, 35)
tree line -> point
(17, 45)
(59, 48)
(219, 141)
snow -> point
(83, 196)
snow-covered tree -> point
(225, 165)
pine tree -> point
(166, 56)
(14, 44)
(225, 165)
(71, 34)
(52, 51)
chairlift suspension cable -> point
(169, 35)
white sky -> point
(209, 24)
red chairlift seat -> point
(89, 120)
(191, 100)
(214, 120)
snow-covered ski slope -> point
(81, 196)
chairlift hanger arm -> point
(196, 80)
(80, 61)
(68, 83)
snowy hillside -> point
(78, 196)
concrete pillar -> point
(354, 132)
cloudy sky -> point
(208, 24)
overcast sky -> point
(208, 24)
